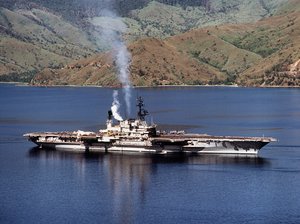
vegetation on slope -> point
(88, 8)
(277, 40)
(32, 37)
(154, 62)
(260, 54)
(161, 20)
(32, 40)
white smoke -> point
(115, 106)
(112, 29)
(123, 60)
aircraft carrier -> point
(136, 135)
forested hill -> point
(266, 53)
(88, 8)
(39, 34)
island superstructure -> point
(136, 135)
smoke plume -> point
(112, 29)
(115, 106)
(123, 60)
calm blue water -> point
(39, 186)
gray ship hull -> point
(199, 144)
(135, 135)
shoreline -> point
(159, 86)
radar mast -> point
(142, 113)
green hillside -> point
(260, 54)
(203, 42)
(31, 40)
(161, 20)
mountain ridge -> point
(45, 39)
(243, 54)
